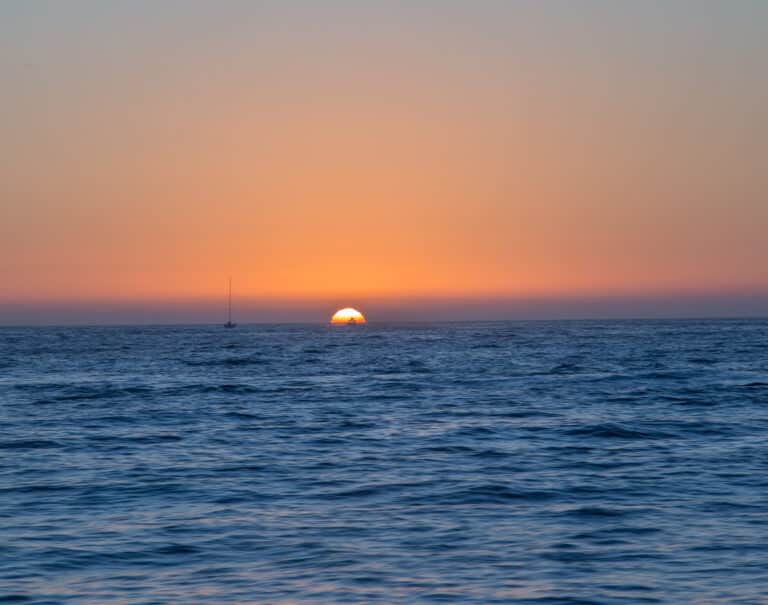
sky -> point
(430, 158)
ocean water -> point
(514, 462)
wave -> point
(29, 444)
(616, 431)
(229, 362)
(488, 493)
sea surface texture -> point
(515, 462)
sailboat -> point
(229, 323)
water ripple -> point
(513, 462)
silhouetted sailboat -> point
(229, 323)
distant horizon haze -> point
(745, 304)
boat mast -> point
(229, 314)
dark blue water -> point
(541, 462)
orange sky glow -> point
(372, 153)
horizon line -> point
(383, 322)
(211, 311)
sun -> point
(348, 316)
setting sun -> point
(348, 316)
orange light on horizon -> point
(348, 315)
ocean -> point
(564, 462)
